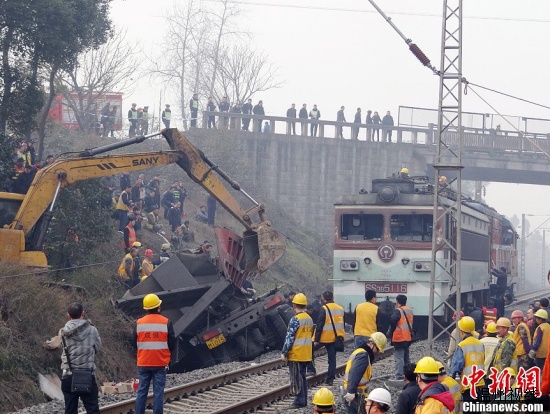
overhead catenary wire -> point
(356, 10)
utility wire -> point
(297, 6)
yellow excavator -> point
(24, 219)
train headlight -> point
(367, 260)
(405, 261)
(422, 266)
(349, 265)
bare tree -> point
(185, 26)
(243, 72)
(203, 53)
(112, 67)
(225, 22)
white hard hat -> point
(380, 395)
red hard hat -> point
(461, 315)
(517, 314)
(148, 252)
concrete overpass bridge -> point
(307, 174)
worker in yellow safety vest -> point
(298, 348)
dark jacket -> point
(387, 120)
(357, 119)
(83, 343)
(340, 117)
(291, 113)
(407, 399)
(247, 108)
(258, 110)
(376, 120)
(368, 120)
(125, 182)
(360, 364)
(303, 113)
(174, 217)
(224, 106)
(167, 199)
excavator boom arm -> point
(65, 172)
(262, 245)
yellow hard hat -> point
(151, 301)
(491, 327)
(323, 397)
(442, 178)
(300, 299)
(404, 170)
(506, 322)
(427, 365)
(379, 340)
(511, 370)
(441, 367)
(541, 313)
(467, 324)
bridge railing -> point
(472, 138)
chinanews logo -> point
(504, 393)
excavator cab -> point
(9, 206)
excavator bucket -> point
(254, 252)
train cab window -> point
(8, 210)
(507, 237)
(411, 227)
(361, 227)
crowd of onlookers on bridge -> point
(138, 118)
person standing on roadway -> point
(366, 318)
(330, 324)
(155, 340)
(297, 349)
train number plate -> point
(383, 287)
(216, 341)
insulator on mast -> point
(419, 55)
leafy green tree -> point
(7, 145)
(42, 37)
(82, 220)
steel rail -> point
(178, 393)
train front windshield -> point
(412, 227)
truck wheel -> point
(247, 349)
(278, 325)
(258, 338)
(286, 313)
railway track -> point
(528, 296)
(253, 388)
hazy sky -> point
(344, 53)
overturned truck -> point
(214, 319)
